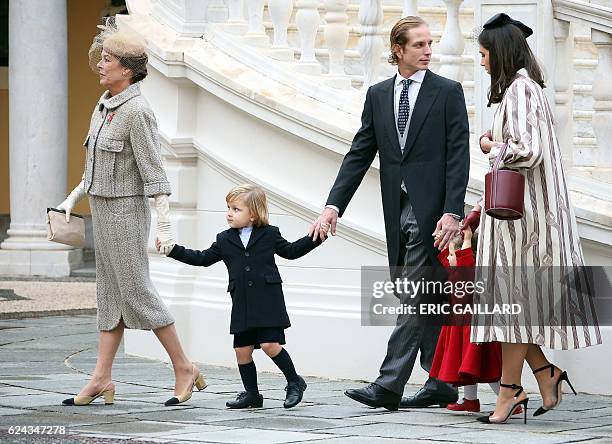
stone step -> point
(5, 221)
(88, 266)
(87, 270)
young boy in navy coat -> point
(259, 316)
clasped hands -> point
(322, 224)
(164, 240)
(446, 228)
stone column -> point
(38, 131)
(564, 82)
(602, 93)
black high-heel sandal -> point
(487, 419)
(558, 388)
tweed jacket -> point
(123, 149)
(254, 280)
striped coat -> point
(522, 261)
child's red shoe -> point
(468, 405)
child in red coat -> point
(457, 360)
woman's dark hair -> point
(508, 52)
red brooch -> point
(109, 118)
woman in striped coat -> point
(525, 261)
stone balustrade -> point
(328, 46)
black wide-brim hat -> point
(501, 19)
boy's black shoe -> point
(295, 390)
(246, 400)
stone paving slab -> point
(59, 353)
(295, 424)
(150, 429)
(47, 297)
(35, 417)
(5, 411)
(417, 417)
(391, 430)
(196, 415)
(253, 436)
(374, 440)
(550, 426)
(514, 437)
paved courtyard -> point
(44, 360)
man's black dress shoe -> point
(375, 396)
(246, 400)
(427, 398)
(294, 390)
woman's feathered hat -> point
(128, 47)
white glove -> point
(73, 198)
(163, 231)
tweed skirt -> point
(123, 286)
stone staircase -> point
(228, 112)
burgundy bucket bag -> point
(504, 191)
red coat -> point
(457, 360)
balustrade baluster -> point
(451, 44)
(256, 34)
(336, 38)
(370, 42)
(307, 20)
(280, 13)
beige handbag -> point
(70, 233)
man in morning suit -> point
(417, 122)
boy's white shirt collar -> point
(245, 235)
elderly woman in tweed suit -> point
(123, 168)
(526, 260)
